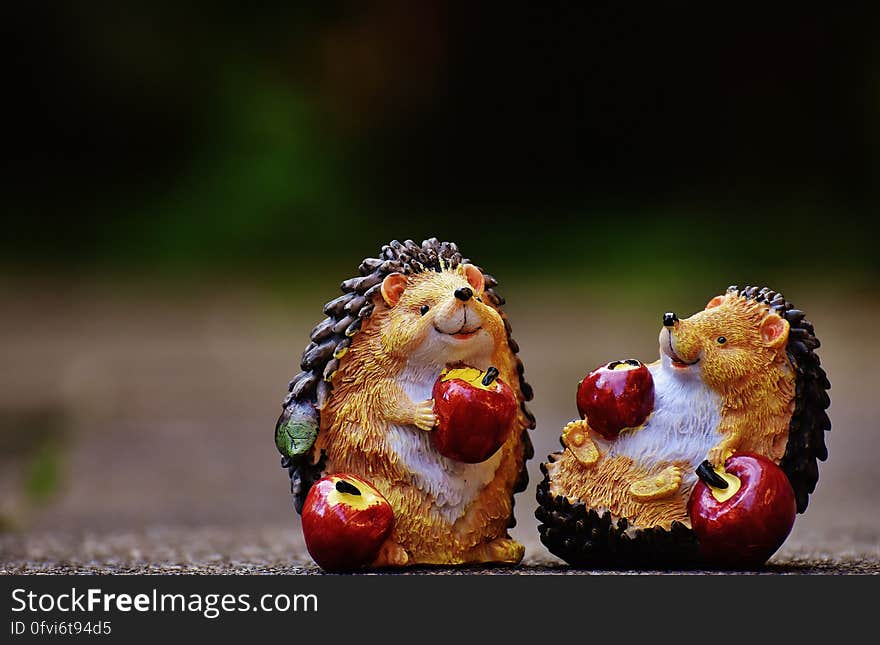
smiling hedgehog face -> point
(731, 339)
(440, 316)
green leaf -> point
(295, 436)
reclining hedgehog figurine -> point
(653, 473)
(362, 416)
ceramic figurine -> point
(411, 398)
(701, 458)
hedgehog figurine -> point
(365, 412)
(702, 458)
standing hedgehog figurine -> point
(419, 333)
(701, 458)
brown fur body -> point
(370, 398)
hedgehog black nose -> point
(464, 294)
(669, 319)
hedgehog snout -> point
(454, 316)
(464, 293)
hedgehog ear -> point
(393, 287)
(474, 276)
(714, 302)
(774, 330)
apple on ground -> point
(345, 521)
(616, 396)
(474, 410)
(743, 514)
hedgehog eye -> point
(479, 300)
(424, 309)
(721, 340)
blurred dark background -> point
(185, 185)
(161, 138)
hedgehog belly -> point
(588, 517)
(682, 428)
(680, 432)
(451, 485)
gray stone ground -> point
(280, 550)
(161, 408)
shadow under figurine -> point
(405, 435)
(702, 458)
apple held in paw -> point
(345, 521)
(616, 396)
(475, 411)
(742, 516)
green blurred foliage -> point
(263, 164)
(43, 474)
(37, 439)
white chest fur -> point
(683, 426)
(452, 484)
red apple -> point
(616, 396)
(743, 524)
(345, 521)
(475, 411)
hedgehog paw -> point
(424, 417)
(391, 554)
(576, 438)
(502, 550)
(657, 486)
(719, 454)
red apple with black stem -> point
(616, 396)
(345, 520)
(475, 411)
(743, 514)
